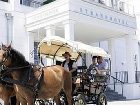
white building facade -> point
(109, 24)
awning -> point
(55, 46)
(94, 51)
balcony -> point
(117, 5)
(31, 3)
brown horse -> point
(6, 93)
(55, 78)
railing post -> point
(122, 88)
(115, 79)
(114, 85)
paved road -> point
(128, 102)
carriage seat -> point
(81, 67)
(100, 78)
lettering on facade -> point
(104, 16)
(43, 15)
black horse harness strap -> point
(34, 87)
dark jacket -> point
(70, 67)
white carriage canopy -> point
(54, 46)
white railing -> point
(116, 5)
(31, 3)
(125, 7)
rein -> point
(8, 70)
(34, 87)
(27, 79)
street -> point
(128, 102)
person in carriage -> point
(102, 65)
(93, 67)
(98, 66)
(71, 66)
(98, 70)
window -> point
(36, 56)
(101, 1)
(31, 3)
(137, 76)
(121, 6)
(4, 0)
(122, 76)
(47, 1)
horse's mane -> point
(17, 58)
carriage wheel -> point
(80, 100)
(39, 102)
(102, 100)
(63, 100)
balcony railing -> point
(116, 81)
(31, 3)
(116, 5)
(137, 76)
(122, 76)
(48, 1)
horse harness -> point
(29, 76)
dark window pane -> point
(31, 3)
(36, 57)
(47, 1)
(137, 76)
(4, 0)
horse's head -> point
(5, 55)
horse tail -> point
(68, 86)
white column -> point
(12, 4)
(50, 31)
(69, 29)
(30, 52)
(115, 3)
(9, 19)
(131, 52)
(111, 49)
(108, 2)
(112, 52)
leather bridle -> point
(6, 56)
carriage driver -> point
(70, 65)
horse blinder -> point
(6, 55)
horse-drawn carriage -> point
(32, 82)
(90, 88)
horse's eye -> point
(4, 54)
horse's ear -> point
(3, 46)
(9, 46)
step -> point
(112, 95)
